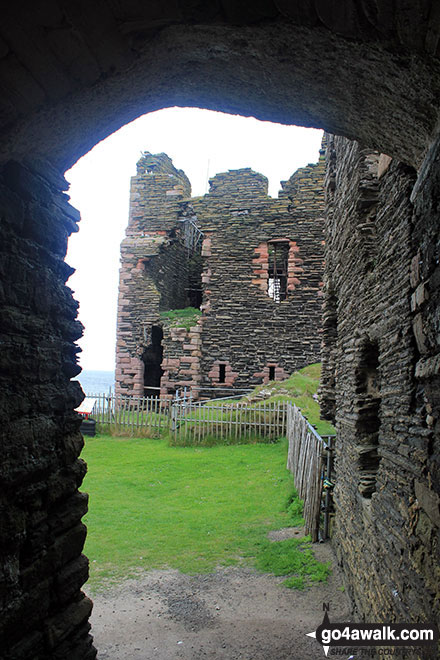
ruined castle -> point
(368, 71)
(252, 264)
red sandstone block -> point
(172, 362)
(190, 359)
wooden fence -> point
(193, 422)
(305, 460)
(133, 415)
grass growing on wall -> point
(192, 509)
(181, 318)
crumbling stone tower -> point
(153, 267)
(253, 264)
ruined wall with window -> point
(262, 271)
(251, 263)
(376, 346)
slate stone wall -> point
(378, 341)
(244, 329)
(44, 612)
(153, 269)
(181, 363)
(244, 336)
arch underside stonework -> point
(72, 73)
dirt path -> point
(232, 614)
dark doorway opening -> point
(221, 373)
(271, 372)
(152, 359)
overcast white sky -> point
(200, 142)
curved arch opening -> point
(202, 144)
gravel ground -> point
(232, 614)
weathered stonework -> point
(69, 78)
(44, 612)
(153, 265)
(181, 364)
(379, 377)
(260, 266)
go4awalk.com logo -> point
(369, 635)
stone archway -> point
(71, 73)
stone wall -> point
(380, 367)
(181, 363)
(44, 612)
(247, 333)
(244, 328)
(153, 265)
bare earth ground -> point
(232, 614)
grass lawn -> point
(192, 508)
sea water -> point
(96, 382)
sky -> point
(202, 143)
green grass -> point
(293, 557)
(191, 438)
(181, 318)
(191, 509)
(299, 389)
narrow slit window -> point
(221, 373)
(271, 373)
(278, 270)
(368, 422)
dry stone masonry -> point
(73, 72)
(44, 611)
(380, 376)
(254, 267)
